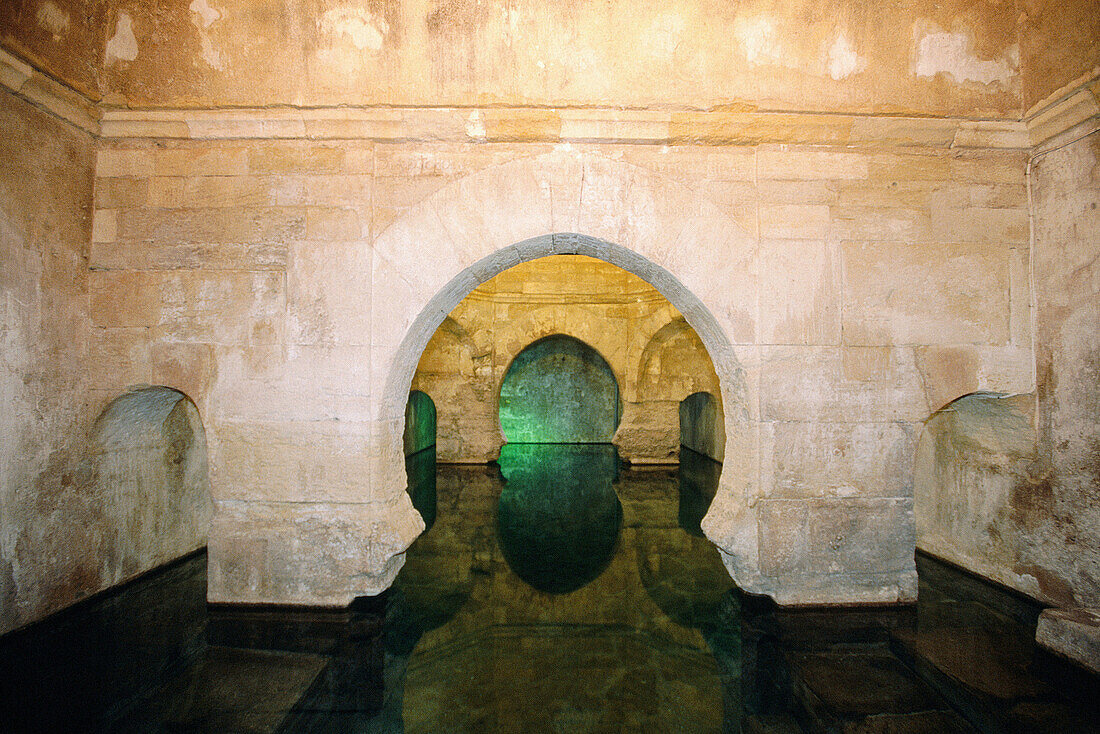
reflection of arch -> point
(559, 390)
(150, 460)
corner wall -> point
(49, 544)
(1065, 512)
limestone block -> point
(329, 294)
(121, 358)
(622, 205)
(817, 460)
(784, 537)
(794, 221)
(218, 225)
(736, 199)
(178, 192)
(809, 192)
(925, 294)
(847, 385)
(1073, 634)
(189, 368)
(119, 193)
(495, 208)
(105, 225)
(783, 163)
(120, 299)
(948, 372)
(230, 307)
(123, 162)
(692, 164)
(1007, 167)
(293, 461)
(295, 157)
(900, 168)
(132, 255)
(854, 536)
(799, 293)
(881, 224)
(201, 160)
(338, 190)
(324, 382)
(333, 223)
(393, 196)
(982, 224)
(1008, 370)
(418, 238)
(851, 537)
(319, 554)
(720, 265)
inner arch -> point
(559, 390)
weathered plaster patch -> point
(843, 59)
(475, 126)
(207, 15)
(123, 45)
(663, 35)
(757, 38)
(53, 19)
(364, 28)
(211, 55)
(203, 16)
(952, 53)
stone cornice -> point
(46, 92)
(1061, 111)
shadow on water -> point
(556, 592)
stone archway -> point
(691, 252)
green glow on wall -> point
(559, 390)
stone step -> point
(771, 724)
(867, 689)
(990, 679)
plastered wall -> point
(656, 357)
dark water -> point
(558, 592)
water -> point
(558, 592)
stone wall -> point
(1062, 510)
(842, 295)
(656, 357)
(49, 537)
(1007, 486)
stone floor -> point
(557, 592)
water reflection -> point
(558, 518)
(550, 597)
(656, 641)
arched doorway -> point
(559, 390)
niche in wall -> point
(148, 449)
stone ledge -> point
(44, 91)
(1072, 634)
(1061, 111)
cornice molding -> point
(1061, 111)
(46, 92)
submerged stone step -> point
(1072, 633)
(987, 676)
(866, 689)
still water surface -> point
(556, 592)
